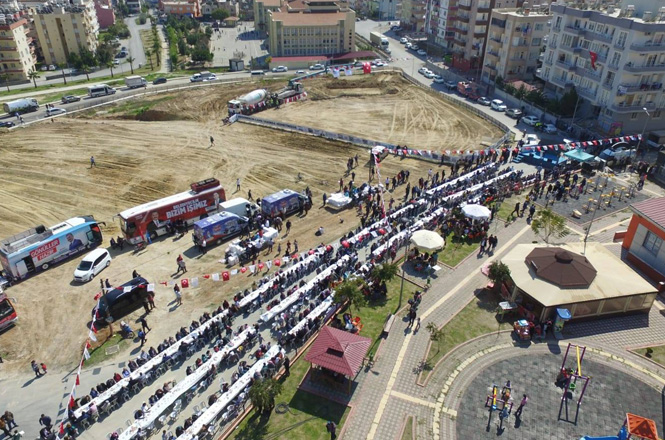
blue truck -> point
(283, 203)
(218, 227)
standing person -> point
(45, 421)
(182, 266)
(144, 324)
(238, 184)
(177, 261)
(325, 199)
(287, 366)
(532, 211)
(35, 368)
(417, 327)
(332, 429)
(151, 300)
(135, 274)
(146, 306)
(204, 244)
(516, 211)
(142, 337)
(43, 365)
(108, 284)
(92, 162)
(295, 246)
(178, 295)
(212, 141)
(520, 408)
(288, 227)
(101, 282)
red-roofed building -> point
(644, 238)
(338, 352)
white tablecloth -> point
(338, 200)
(234, 390)
(268, 234)
(183, 386)
(149, 365)
(318, 311)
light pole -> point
(637, 150)
(401, 287)
(572, 121)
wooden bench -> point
(390, 320)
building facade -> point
(134, 5)
(515, 40)
(17, 48)
(644, 238)
(311, 27)
(413, 15)
(183, 8)
(105, 14)
(261, 11)
(62, 30)
(615, 60)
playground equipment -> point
(498, 402)
(634, 427)
(569, 376)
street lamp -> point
(572, 121)
(637, 150)
(401, 288)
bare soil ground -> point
(46, 178)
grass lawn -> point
(508, 205)
(148, 38)
(306, 418)
(98, 354)
(457, 249)
(658, 354)
(407, 434)
(477, 318)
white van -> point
(100, 90)
(92, 264)
(498, 105)
(240, 207)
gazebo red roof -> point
(339, 351)
(641, 427)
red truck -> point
(468, 89)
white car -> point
(531, 120)
(51, 67)
(403, 40)
(301, 72)
(438, 79)
(414, 47)
(317, 67)
(409, 45)
(423, 70)
(92, 264)
(280, 69)
(498, 105)
(116, 62)
(422, 52)
(55, 111)
(429, 74)
(549, 128)
(483, 101)
(531, 140)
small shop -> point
(561, 283)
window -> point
(652, 243)
(633, 116)
(539, 26)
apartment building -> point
(183, 8)
(311, 27)
(134, 6)
(387, 9)
(515, 40)
(413, 15)
(105, 14)
(261, 11)
(17, 48)
(65, 29)
(614, 57)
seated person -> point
(93, 393)
(179, 431)
(125, 372)
(138, 414)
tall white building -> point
(614, 57)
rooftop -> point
(521, 12)
(272, 3)
(652, 209)
(338, 351)
(308, 19)
(615, 278)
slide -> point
(611, 437)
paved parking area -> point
(226, 42)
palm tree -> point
(62, 69)
(263, 393)
(157, 49)
(86, 70)
(33, 75)
(521, 93)
(435, 335)
(385, 272)
(350, 291)
(109, 65)
(5, 79)
(148, 55)
(131, 60)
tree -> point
(350, 290)
(157, 48)
(33, 75)
(62, 69)
(5, 79)
(86, 69)
(74, 59)
(220, 14)
(521, 94)
(201, 54)
(569, 102)
(148, 55)
(385, 272)
(499, 273)
(130, 60)
(547, 224)
(499, 81)
(263, 392)
(436, 335)
(109, 65)
(88, 58)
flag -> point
(92, 336)
(71, 402)
(594, 57)
(93, 328)
(225, 276)
(261, 266)
(206, 276)
(78, 379)
(234, 272)
(243, 269)
(62, 428)
(151, 287)
(194, 282)
(277, 262)
(86, 353)
(215, 277)
(184, 282)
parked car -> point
(531, 120)
(403, 40)
(438, 79)
(317, 67)
(51, 67)
(116, 62)
(421, 52)
(160, 80)
(423, 70)
(550, 128)
(43, 68)
(408, 45)
(56, 111)
(450, 85)
(302, 72)
(531, 140)
(6, 124)
(514, 113)
(619, 151)
(483, 101)
(429, 74)
(69, 98)
(280, 69)
(92, 264)
(498, 105)
(414, 47)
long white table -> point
(234, 390)
(320, 309)
(456, 180)
(289, 300)
(181, 387)
(149, 365)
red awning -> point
(339, 351)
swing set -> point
(570, 376)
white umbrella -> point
(476, 212)
(427, 240)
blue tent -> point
(578, 155)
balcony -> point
(623, 108)
(570, 67)
(599, 37)
(548, 62)
(479, 34)
(459, 42)
(576, 30)
(490, 67)
(631, 67)
(7, 49)
(494, 54)
(588, 73)
(561, 82)
(480, 22)
(648, 47)
(496, 40)
(464, 6)
(629, 88)
(587, 93)
(463, 18)
(608, 85)
(484, 9)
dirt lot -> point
(46, 178)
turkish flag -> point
(277, 262)
(78, 380)
(206, 276)
(594, 57)
(243, 269)
(184, 283)
(225, 276)
(261, 265)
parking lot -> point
(243, 40)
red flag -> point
(71, 402)
(206, 276)
(594, 57)
(62, 428)
(93, 328)
(243, 269)
(261, 265)
(97, 296)
(163, 282)
(184, 282)
(225, 276)
(277, 262)
(78, 380)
